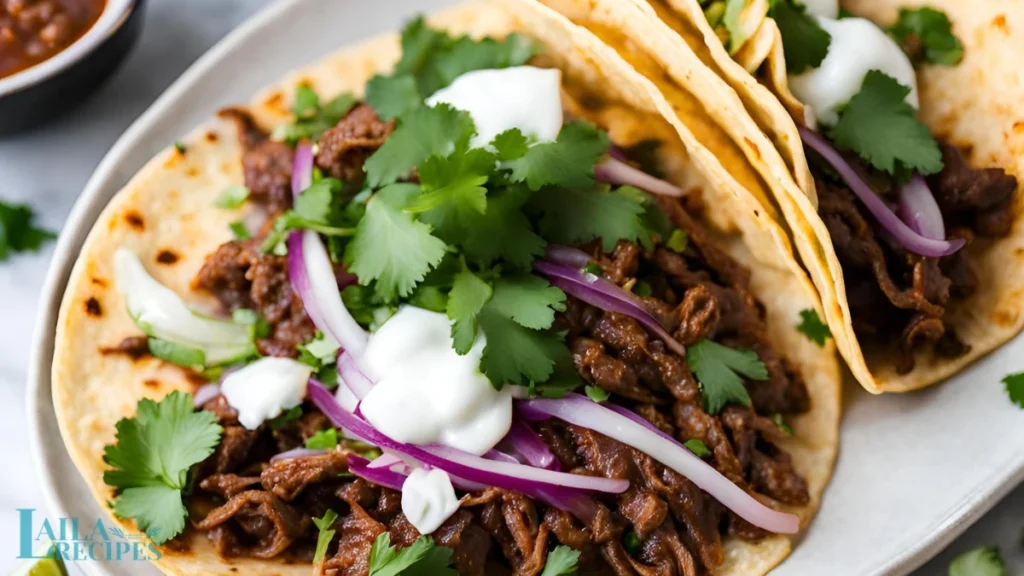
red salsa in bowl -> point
(32, 31)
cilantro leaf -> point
(151, 457)
(529, 300)
(718, 369)
(421, 133)
(926, 34)
(678, 241)
(323, 440)
(392, 96)
(319, 351)
(391, 248)
(17, 232)
(880, 127)
(699, 448)
(314, 203)
(811, 326)
(454, 183)
(983, 561)
(177, 354)
(1015, 388)
(239, 231)
(596, 394)
(290, 415)
(466, 54)
(562, 561)
(323, 539)
(468, 295)
(570, 216)
(515, 353)
(805, 43)
(504, 232)
(422, 558)
(312, 118)
(568, 161)
(510, 144)
(232, 197)
(306, 103)
(777, 419)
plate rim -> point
(91, 201)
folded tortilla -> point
(167, 209)
(982, 119)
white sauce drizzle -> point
(161, 313)
(428, 499)
(426, 393)
(265, 389)
(858, 46)
(523, 97)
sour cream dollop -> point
(523, 97)
(425, 392)
(161, 313)
(858, 46)
(428, 499)
(265, 389)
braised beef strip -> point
(898, 298)
(265, 510)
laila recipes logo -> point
(76, 541)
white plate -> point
(914, 470)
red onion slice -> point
(527, 444)
(205, 393)
(919, 209)
(379, 475)
(354, 378)
(567, 256)
(297, 453)
(579, 410)
(887, 219)
(457, 463)
(606, 295)
(613, 171)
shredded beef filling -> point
(251, 507)
(899, 297)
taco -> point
(466, 300)
(906, 220)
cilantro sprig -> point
(1014, 384)
(562, 561)
(718, 369)
(926, 35)
(805, 43)
(313, 117)
(422, 557)
(150, 461)
(17, 231)
(983, 561)
(812, 327)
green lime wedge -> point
(41, 567)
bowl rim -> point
(114, 15)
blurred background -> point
(46, 168)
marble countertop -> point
(48, 167)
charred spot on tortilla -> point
(167, 256)
(134, 347)
(92, 307)
(135, 220)
(151, 383)
(98, 281)
(212, 137)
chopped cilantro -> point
(323, 539)
(504, 232)
(568, 161)
(453, 190)
(699, 448)
(811, 326)
(596, 394)
(17, 232)
(1015, 388)
(983, 561)
(777, 418)
(315, 209)
(390, 247)
(258, 327)
(574, 216)
(177, 354)
(527, 299)
(421, 133)
(323, 440)
(678, 241)
(805, 43)
(631, 542)
(515, 353)
(880, 127)
(239, 230)
(318, 352)
(468, 296)
(642, 289)
(312, 118)
(562, 561)
(423, 557)
(290, 415)
(306, 104)
(151, 458)
(181, 148)
(232, 197)
(718, 369)
(392, 96)
(927, 36)
(594, 269)
(510, 144)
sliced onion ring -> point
(919, 209)
(458, 463)
(579, 410)
(887, 219)
(613, 171)
(526, 443)
(379, 475)
(606, 295)
(205, 393)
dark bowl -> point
(57, 85)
